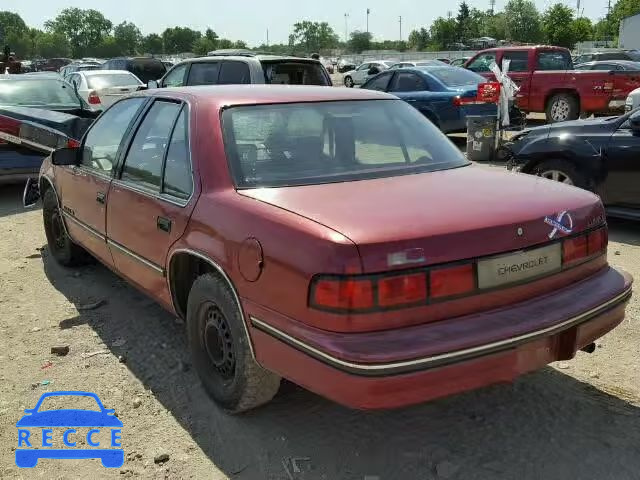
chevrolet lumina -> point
(332, 237)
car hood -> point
(597, 124)
(69, 418)
(450, 214)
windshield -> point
(46, 92)
(456, 77)
(294, 73)
(112, 80)
(315, 143)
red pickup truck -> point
(549, 84)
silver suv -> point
(241, 67)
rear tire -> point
(562, 107)
(220, 349)
(60, 244)
(563, 172)
(348, 82)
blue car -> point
(68, 418)
(439, 92)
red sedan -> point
(333, 237)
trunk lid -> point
(440, 217)
(109, 95)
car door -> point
(176, 77)
(622, 164)
(150, 201)
(519, 73)
(413, 89)
(203, 73)
(360, 75)
(84, 188)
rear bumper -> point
(372, 370)
(17, 175)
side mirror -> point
(374, 71)
(66, 156)
(153, 84)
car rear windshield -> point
(456, 77)
(36, 93)
(294, 73)
(112, 80)
(326, 142)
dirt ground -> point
(576, 419)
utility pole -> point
(368, 12)
(346, 27)
(400, 27)
(608, 8)
(578, 8)
(267, 37)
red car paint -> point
(270, 243)
(594, 89)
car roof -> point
(523, 47)
(221, 96)
(244, 58)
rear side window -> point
(204, 73)
(381, 82)
(295, 73)
(519, 61)
(614, 56)
(554, 60)
(407, 82)
(143, 164)
(234, 73)
(178, 180)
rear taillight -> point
(366, 293)
(579, 248)
(9, 126)
(73, 143)
(94, 99)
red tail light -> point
(452, 281)
(9, 126)
(402, 290)
(574, 249)
(343, 294)
(598, 241)
(94, 99)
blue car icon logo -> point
(36, 424)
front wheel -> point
(221, 351)
(563, 172)
(348, 82)
(60, 244)
(562, 107)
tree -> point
(463, 23)
(179, 39)
(240, 44)
(84, 29)
(11, 22)
(152, 43)
(128, 38)
(497, 26)
(582, 29)
(224, 43)
(443, 32)
(557, 26)
(624, 8)
(314, 36)
(522, 21)
(109, 47)
(50, 44)
(419, 39)
(360, 41)
(478, 23)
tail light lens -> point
(9, 126)
(343, 294)
(73, 143)
(94, 99)
(452, 281)
(597, 241)
(578, 249)
(402, 290)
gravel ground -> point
(577, 419)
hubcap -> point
(218, 341)
(348, 82)
(560, 110)
(557, 176)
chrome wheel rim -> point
(557, 176)
(560, 110)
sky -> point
(249, 20)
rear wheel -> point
(220, 349)
(60, 244)
(348, 82)
(562, 107)
(563, 172)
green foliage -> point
(583, 29)
(360, 41)
(128, 38)
(557, 26)
(206, 43)
(497, 26)
(49, 45)
(85, 29)
(419, 39)
(463, 23)
(109, 47)
(443, 32)
(522, 21)
(152, 44)
(314, 36)
(179, 39)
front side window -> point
(143, 164)
(554, 60)
(482, 63)
(324, 142)
(380, 83)
(407, 82)
(175, 78)
(204, 73)
(103, 140)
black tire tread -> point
(72, 255)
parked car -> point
(43, 98)
(443, 94)
(609, 65)
(52, 65)
(145, 68)
(245, 68)
(609, 54)
(459, 62)
(445, 60)
(346, 64)
(78, 67)
(101, 88)
(421, 63)
(365, 71)
(364, 314)
(600, 155)
(549, 84)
